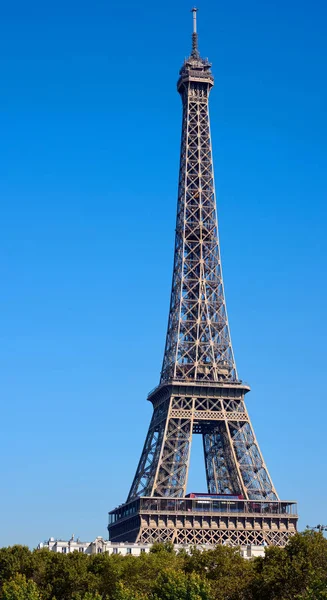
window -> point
(115, 550)
(64, 550)
(202, 505)
(142, 550)
(99, 550)
(81, 549)
(128, 550)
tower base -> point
(204, 521)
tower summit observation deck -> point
(199, 390)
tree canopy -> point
(297, 572)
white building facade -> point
(102, 546)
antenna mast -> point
(195, 50)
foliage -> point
(297, 572)
(224, 567)
(184, 586)
(20, 588)
(293, 572)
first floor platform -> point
(230, 521)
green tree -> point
(162, 547)
(20, 588)
(125, 593)
(108, 572)
(137, 575)
(66, 576)
(13, 560)
(316, 591)
(225, 569)
(177, 585)
(297, 571)
(89, 596)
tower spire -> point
(195, 50)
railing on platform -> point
(203, 505)
(201, 383)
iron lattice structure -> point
(199, 390)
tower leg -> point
(172, 474)
(147, 468)
(221, 471)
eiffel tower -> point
(199, 390)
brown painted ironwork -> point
(199, 390)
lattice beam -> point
(199, 390)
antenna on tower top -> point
(195, 50)
(194, 11)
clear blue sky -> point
(89, 148)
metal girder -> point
(199, 390)
(213, 537)
(198, 344)
(147, 467)
(234, 464)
